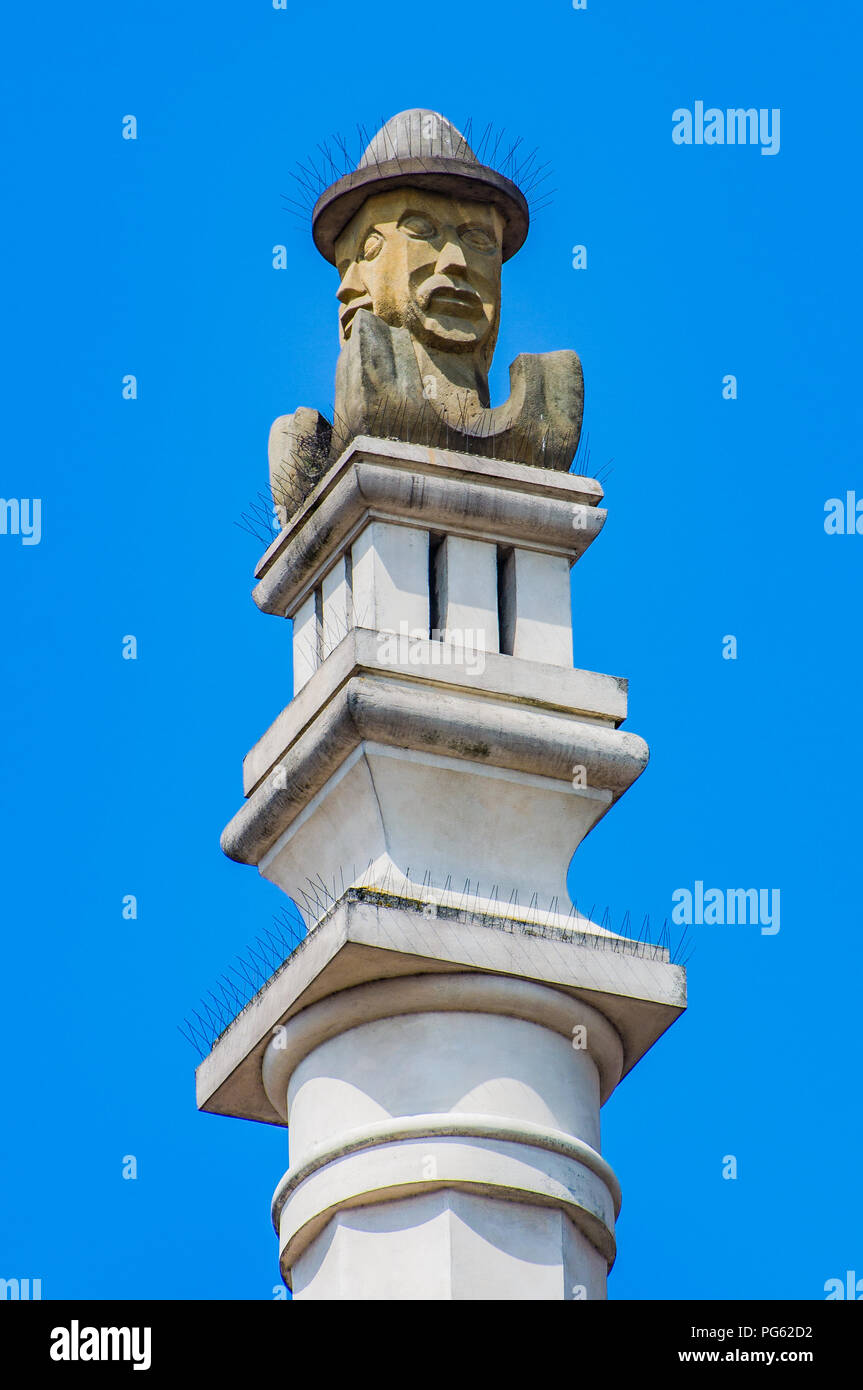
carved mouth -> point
(463, 304)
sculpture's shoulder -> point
(299, 451)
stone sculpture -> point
(419, 232)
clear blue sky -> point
(154, 257)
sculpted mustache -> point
(436, 284)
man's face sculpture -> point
(426, 262)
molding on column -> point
(463, 1125)
(488, 499)
(361, 941)
(451, 723)
(589, 695)
(507, 1169)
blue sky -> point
(154, 257)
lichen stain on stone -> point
(475, 751)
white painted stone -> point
(444, 1126)
(305, 643)
(536, 619)
(450, 1245)
(531, 685)
(444, 962)
(466, 584)
(537, 1092)
(444, 1117)
(390, 578)
(337, 615)
(510, 1169)
(483, 1064)
(485, 1104)
(392, 818)
(439, 490)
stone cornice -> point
(444, 721)
(589, 695)
(359, 942)
(462, 494)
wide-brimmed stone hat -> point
(419, 149)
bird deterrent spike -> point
(678, 950)
(244, 971)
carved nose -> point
(451, 260)
(351, 285)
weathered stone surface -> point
(385, 388)
(419, 149)
(299, 450)
(363, 940)
(419, 239)
(445, 721)
(436, 489)
(589, 695)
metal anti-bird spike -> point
(493, 151)
(270, 952)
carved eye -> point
(414, 224)
(372, 245)
(478, 238)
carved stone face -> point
(426, 262)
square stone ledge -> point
(436, 490)
(360, 941)
(589, 695)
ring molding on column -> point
(381, 1163)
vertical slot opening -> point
(506, 599)
(437, 581)
(319, 624)
(349, 583)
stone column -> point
(448, 1114)
(441, 1043)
